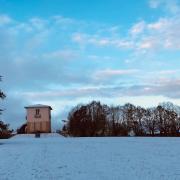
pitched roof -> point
(38, 106)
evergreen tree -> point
(4, 128)
(2, 95)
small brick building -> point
(38, 118)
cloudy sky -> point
(65, 52)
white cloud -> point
(61, 20)
(100, 41)
(169, 72)
(64, 54)
(148, 43)
(155, 3)
(108, 73)
(101, 58)
(79, 38)
(138, 28)
(24, 27)
(38, 23)
(124, 44)
(36, 40)
(5, 19)
(160, 87)
(172, 6)
(161, 24)
(161, 34)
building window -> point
(37, 115)
(37, 111)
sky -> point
(64, 52)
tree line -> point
(96, 119)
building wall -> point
(38, 122)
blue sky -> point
(65, 52)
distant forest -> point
(96, 119)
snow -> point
(54, 157)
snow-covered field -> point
(55, 157)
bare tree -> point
(150, 122)
(96, 119)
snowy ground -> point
(58, 158)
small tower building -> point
(38, 118)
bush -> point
(5, 132)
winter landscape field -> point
(56, 157)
